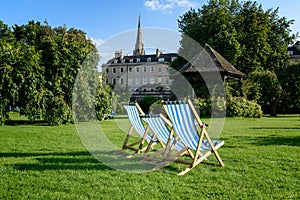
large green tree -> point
(289, 80)
(61, 53)
(8, 89)
(264, 88)
(39, 65)
(249, 37)
(246, 35)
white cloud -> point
(97, 42)
(166, 6)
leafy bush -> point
(205, 106)
(146, 102)
(103, 101)
(241, 107)
(236, 107)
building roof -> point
(203, 63)
(143, 58)
(295, 49)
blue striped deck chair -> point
(134, 112)
(162, 128)
(184, 119)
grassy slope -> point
(261, 159)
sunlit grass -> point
(261, 159)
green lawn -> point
(261, 156)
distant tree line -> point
(38, 67)
(254, 41)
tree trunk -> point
(273, 107)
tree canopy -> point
(255, 41)
(246, 35)
(39, 65)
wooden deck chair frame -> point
(194, 152)
(143, 130)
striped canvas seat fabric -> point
(159, 127)
(135, 120)
(184, 125)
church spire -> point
(139, 46)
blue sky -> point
(102, 19)
(113, 23)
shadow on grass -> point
(57, 161)
(279, 140)
(270, 128)
(269, 140)
(81, 160)
(38, 154)
(59, 166)
(26, 122)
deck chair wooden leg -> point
(195, 164)
(124, 146)
(141, 142)
(148, 148)
(214, 148)
(128, 135)
(169, 160)
(217, 154)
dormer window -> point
(173, 58)
(161, 59)
(138, 60)
(131, 60)
(149, 59)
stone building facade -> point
(141, 74)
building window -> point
(107, 70)
(151, 80)
(123, 61)
(138, 60)
(114, 81)
(145, 69)
(130, 69)
(137, 80)
(114, 70)
(173, 58)
(167, 80)
(137, 69)
(161, 59)
(121, 70)
(159, 69)
(129, 81)
(121, 81)
(151, 69)
(131, 60)
(145, 80)
(167, 69)
(149, 59)
(159, 79)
